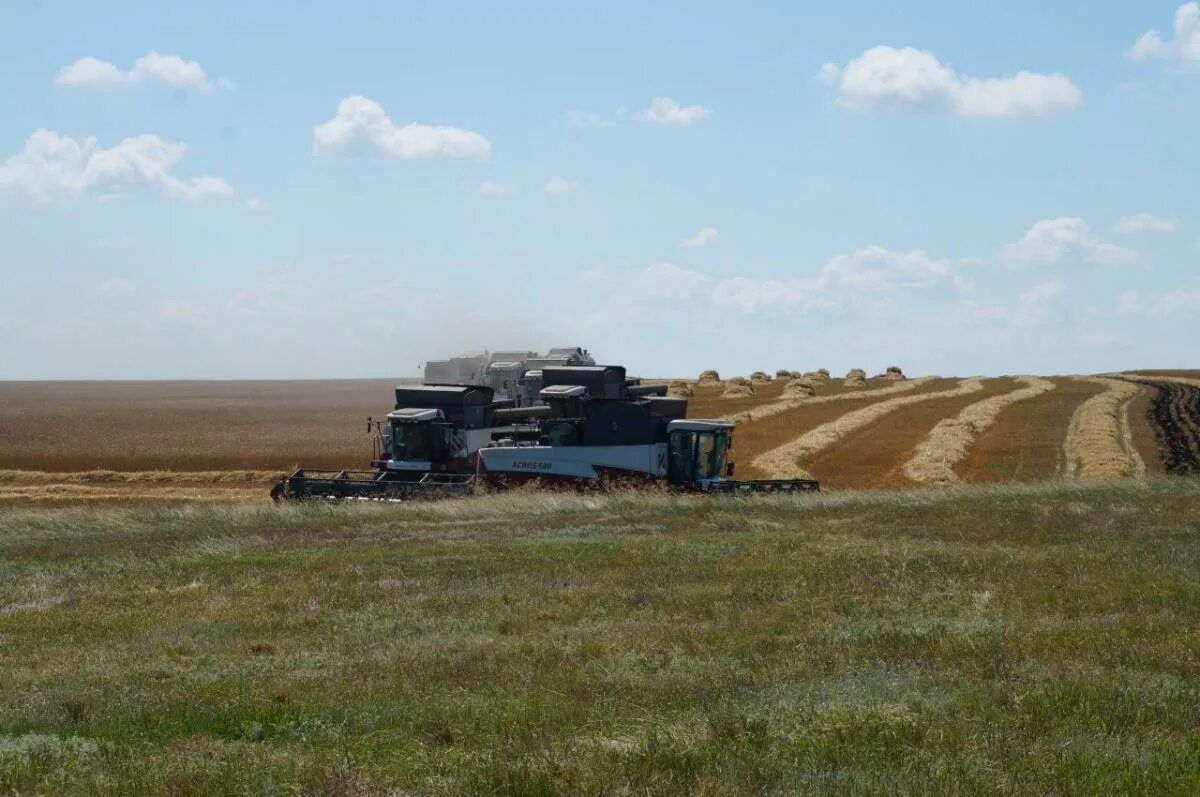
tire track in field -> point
(1099, 444)
(787, 460)
(947, 443)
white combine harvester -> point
(591, 428)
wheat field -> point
(64, 443)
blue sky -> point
(228, 191)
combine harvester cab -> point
(428, 448)
(605, 431)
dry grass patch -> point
(947, 443)
(1099, 442)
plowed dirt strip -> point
(1025, 442)
(793, 458)
(756, 438)
(1175, 411)
(947, 443)
(1099, 442)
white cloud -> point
(170, 69)
(705, 236)
(1039, 304)
(866, 281)
(558, 185)
(54, 167)
(1185, 47)
(910, 78)
(1144, 222)
(874, 268)
(362, 124)
(1062, 240)
(488, 188)
(665, 111)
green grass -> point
(1032, 640)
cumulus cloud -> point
(170, 69)
(362, 124)
(1185, 47)
(558, 185)
(705, 236)
(1144, 222)
(906, 77)
(874, 268)
(665, 111)
(54, 167)
(1065, 240)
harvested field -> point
(184, 426)
(874, 455)
(786, 419)
(796, 456)
(1099, 442)
(947, 444)
(162, 433)
(1026, 441)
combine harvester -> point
(428, 446)
(592, 428)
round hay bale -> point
(680, 389)
(823, 372)
(816, 376)
(856, 373)
(735, 390)
(894, 372)
(709, 377)
(760, 377)
(737, 380)
(784, 373)
(855, 382)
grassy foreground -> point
(1036, 640)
